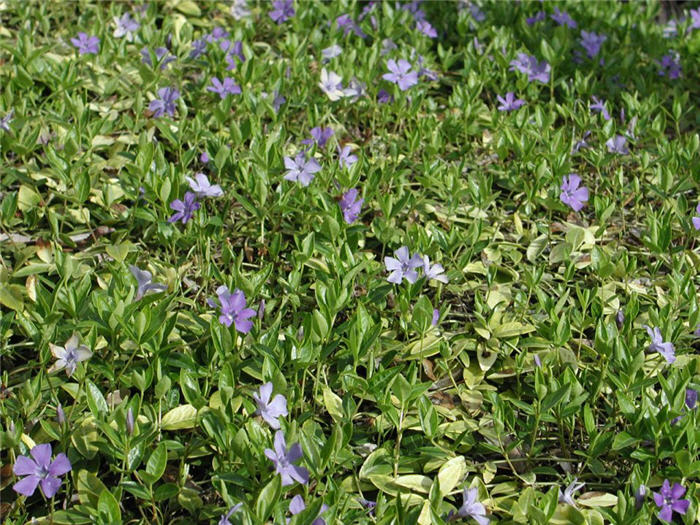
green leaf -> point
(108, 508)
(95, 399)
(181, 417)
(268, 498)
(451, 474)
(157, 462)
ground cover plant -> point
(349, 262)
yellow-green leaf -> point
(184, 416)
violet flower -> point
(5, 121)
(403, 266)
(225, 88)
(85, 44)
(277, 101)
(184, 209)
(346, 23)
(529, 65)
(581, 143)
(401, 74)
(144, 282)
(282, 10)
(695, 17)
(691, 399)
(568, 495)
(351, 205)
(166, 103)
(696, 220)
(161, 54)
(669, 500)
(239, 9)
(383, 97)
(599, 107)
(203, 188)
(617, 144)
(233, 309)
(639, 496)
(539, 17)
(346, 159)
(331, 52)
(424, 27)
(40, 470)
(670, 66)
(217, 34)
(320, 136)
(331, 85)
(472, 507)
(204, 157)
(270, 410)
(436, 317)
(592, 42)
(301, 170)
(434, 271)
(199, 47)
(355, 89)
(666, 349)
(509, 103)
(60, 415)
(126, 26)
(69, 356)
(284, 460)
(562, 18)
(572, 193)
(225, 518)
(297, 505)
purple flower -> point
(351, 205)
(319, 135)
(166, 103)
(184, 209)
(60, 415)
(434, 271)
(592, 42)
(539, 17)
(599, 107)
(301, 170)
(40, 470)
(225, 518)
(161, 54)
(617, 144)
(126, 26)
(477, 14)
(331, 85)
(436, 317)
(571, 194)
(199, 47)
(144, 282)
(562, 18)
(368, 504)
(69, 356)
(204, 157)
(225, 88)
(529, 65)
(282, 10)
(331, 52)
(403, 266)
(620, 318)
(666, 349)
(538, 361)
(284, 460)
(424, 27)
(568, 495)
(472, 507)
(347, 159)
(86, 45)
(355, 89)
(217, 34)
(202, 187)
(297, 505)
(670, 66)
(277, 101)
(509, 103)
(233, 309)
(270, 410)
(5, 121)
(401, 74)
(669, 500)
(695, 17)
(581, 143)
(348, 24)
(383, 97)
(696, 220)
(691, 398)
(639, 496)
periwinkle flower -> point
(320, 136)
(225, 518)
(666, 349)
(204, 157)
(86, 45)
(277, 101)
(436, 317)
(282, 10)
(620, 318)
(426, 28)
(199, 47)
(5, 121)
(284, 460)
(346, 159)
(239, 9)
(539, 17)
(568, 495)
(351, 205)
(617, 144)
(225, 88)
(639, 496)
(592, 42)
(403, 266)
(509, 103)
(165, 105)
(472, 507)
(347, 24)
(69, 356)
(401, 74)
(668, 499)
(529, 65)
(695, 17)
(144, 282)
(331, 52)
(581, 143)
(670, 66)
(383, 96)
(270, 410)
(331, 85)
(126, 26)
(301, 170)
(184, 209)
(433, 271)
(572, 193)
(599, 107)
(60, 415)
(691, 400)
(40, 470)
(297, 505)
(161, 54)
(218, 33)
(233, 309)
(696, 220)
(562, 18)
(202, 187)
